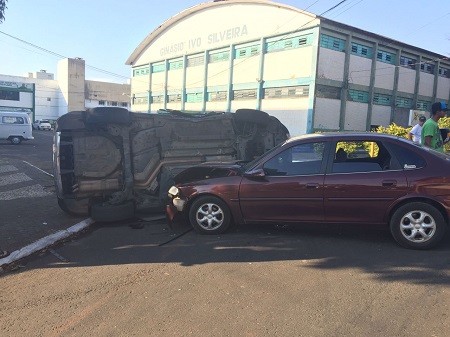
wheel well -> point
(191, 201)
(431, 202)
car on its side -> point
(42, 125)
(110, 163)
(392, 183)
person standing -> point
(431, 135)
(416, 132)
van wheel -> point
(15, 140)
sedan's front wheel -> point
(417, 226)
(209, 215)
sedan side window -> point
(303, 159)
(407, 158)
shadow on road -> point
(320, 247)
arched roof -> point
(197, 8)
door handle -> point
(389, 183)
(312, 185)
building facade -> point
(312, 73)
(44, 97)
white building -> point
(44, 97)
(312, 73)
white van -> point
(15, 126)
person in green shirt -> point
(431, 135)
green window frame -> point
(331, 42)
(386, 57)
(141, 71)
(358, 96)
(215, 96)
(278, 44)
(361, 50)
(243, 52)
(403, 102)
(382, 99)
(423, 105)
(158, 67)
(194, 97)
(175, 64)
(219, 57)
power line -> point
(62, 56)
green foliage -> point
(394, 129)
(400, 131)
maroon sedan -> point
(368, 178)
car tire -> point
(417, 225)
(109, 213)
(15, 140)
(74, 207)
(112, 115)
(209, 215)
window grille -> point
(219, 57)
(407, 62)
(158, 99)
(326, 91)
(298, 91)
(444, 72)
(174, 98)
(381, 99)
(194, 97)
(427, 68)
(195, 61)
(423, 105)
(331, 42)
(403, 102)
(178, 64)
(244, 94)
(358, 96)
(217, 96)
(159, 67)
(386, 57)
(361, 50)
(141, 71)
(247, 51)
(288, 43)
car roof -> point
(345, 135)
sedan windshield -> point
(247, 166)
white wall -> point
(426, 84)
(381, 115)
(331, 64)
(384, 75)
(327, 113)
(359, 70)
(406, 80)
(355, 116)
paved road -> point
(28, 204)
(142, 279)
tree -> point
(2, 9)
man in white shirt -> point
(416, 132)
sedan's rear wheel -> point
(209, 215)
(417, 226)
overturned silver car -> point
(111, 163)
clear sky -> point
(105, 32)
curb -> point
(45, 242)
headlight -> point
(173, 191)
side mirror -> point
(257, 173)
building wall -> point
(43, 97)
(220, 56)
